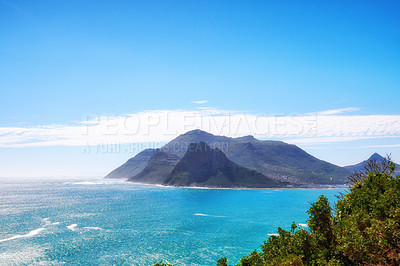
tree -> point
(320, 223)
(222, 262)
(368, 220)
(385, 166)
(365, 229)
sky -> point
(85, 85)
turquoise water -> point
(71, 222)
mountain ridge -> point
(276, 159)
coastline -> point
(241, 188)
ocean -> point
(97, 222)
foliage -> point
(368, 221)
(365, 229)
(384, 166)
(222, 262)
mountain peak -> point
(360, 166)
(197, 132)
(376, 156)
(247, 138)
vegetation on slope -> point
(364, 231)
(204, 166)
(160, 165)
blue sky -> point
(61, 61)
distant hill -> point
(204, 166)
(275, 159)
(359, 167)
(133, 166)
(158, 168)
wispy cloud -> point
(333, 139)
(164, 125)
(200, 102)
(339, 111)
(382, 146)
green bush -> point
(365, 229)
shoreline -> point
(237, 188)
(109, 181)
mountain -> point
(276, 159)
(204, 166)
(133, 166)
(159, 166)
(377, 157)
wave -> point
(46, 221)
(208, 215)
(86, 183)
(303, 225)
(30, 234)
(93, 228)
(72, 227)
(273, 234)
(96, 182)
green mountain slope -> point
(159, 166)
(204, 166)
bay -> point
(99, 222)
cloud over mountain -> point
(164, 125)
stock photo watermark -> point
(133, 133)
